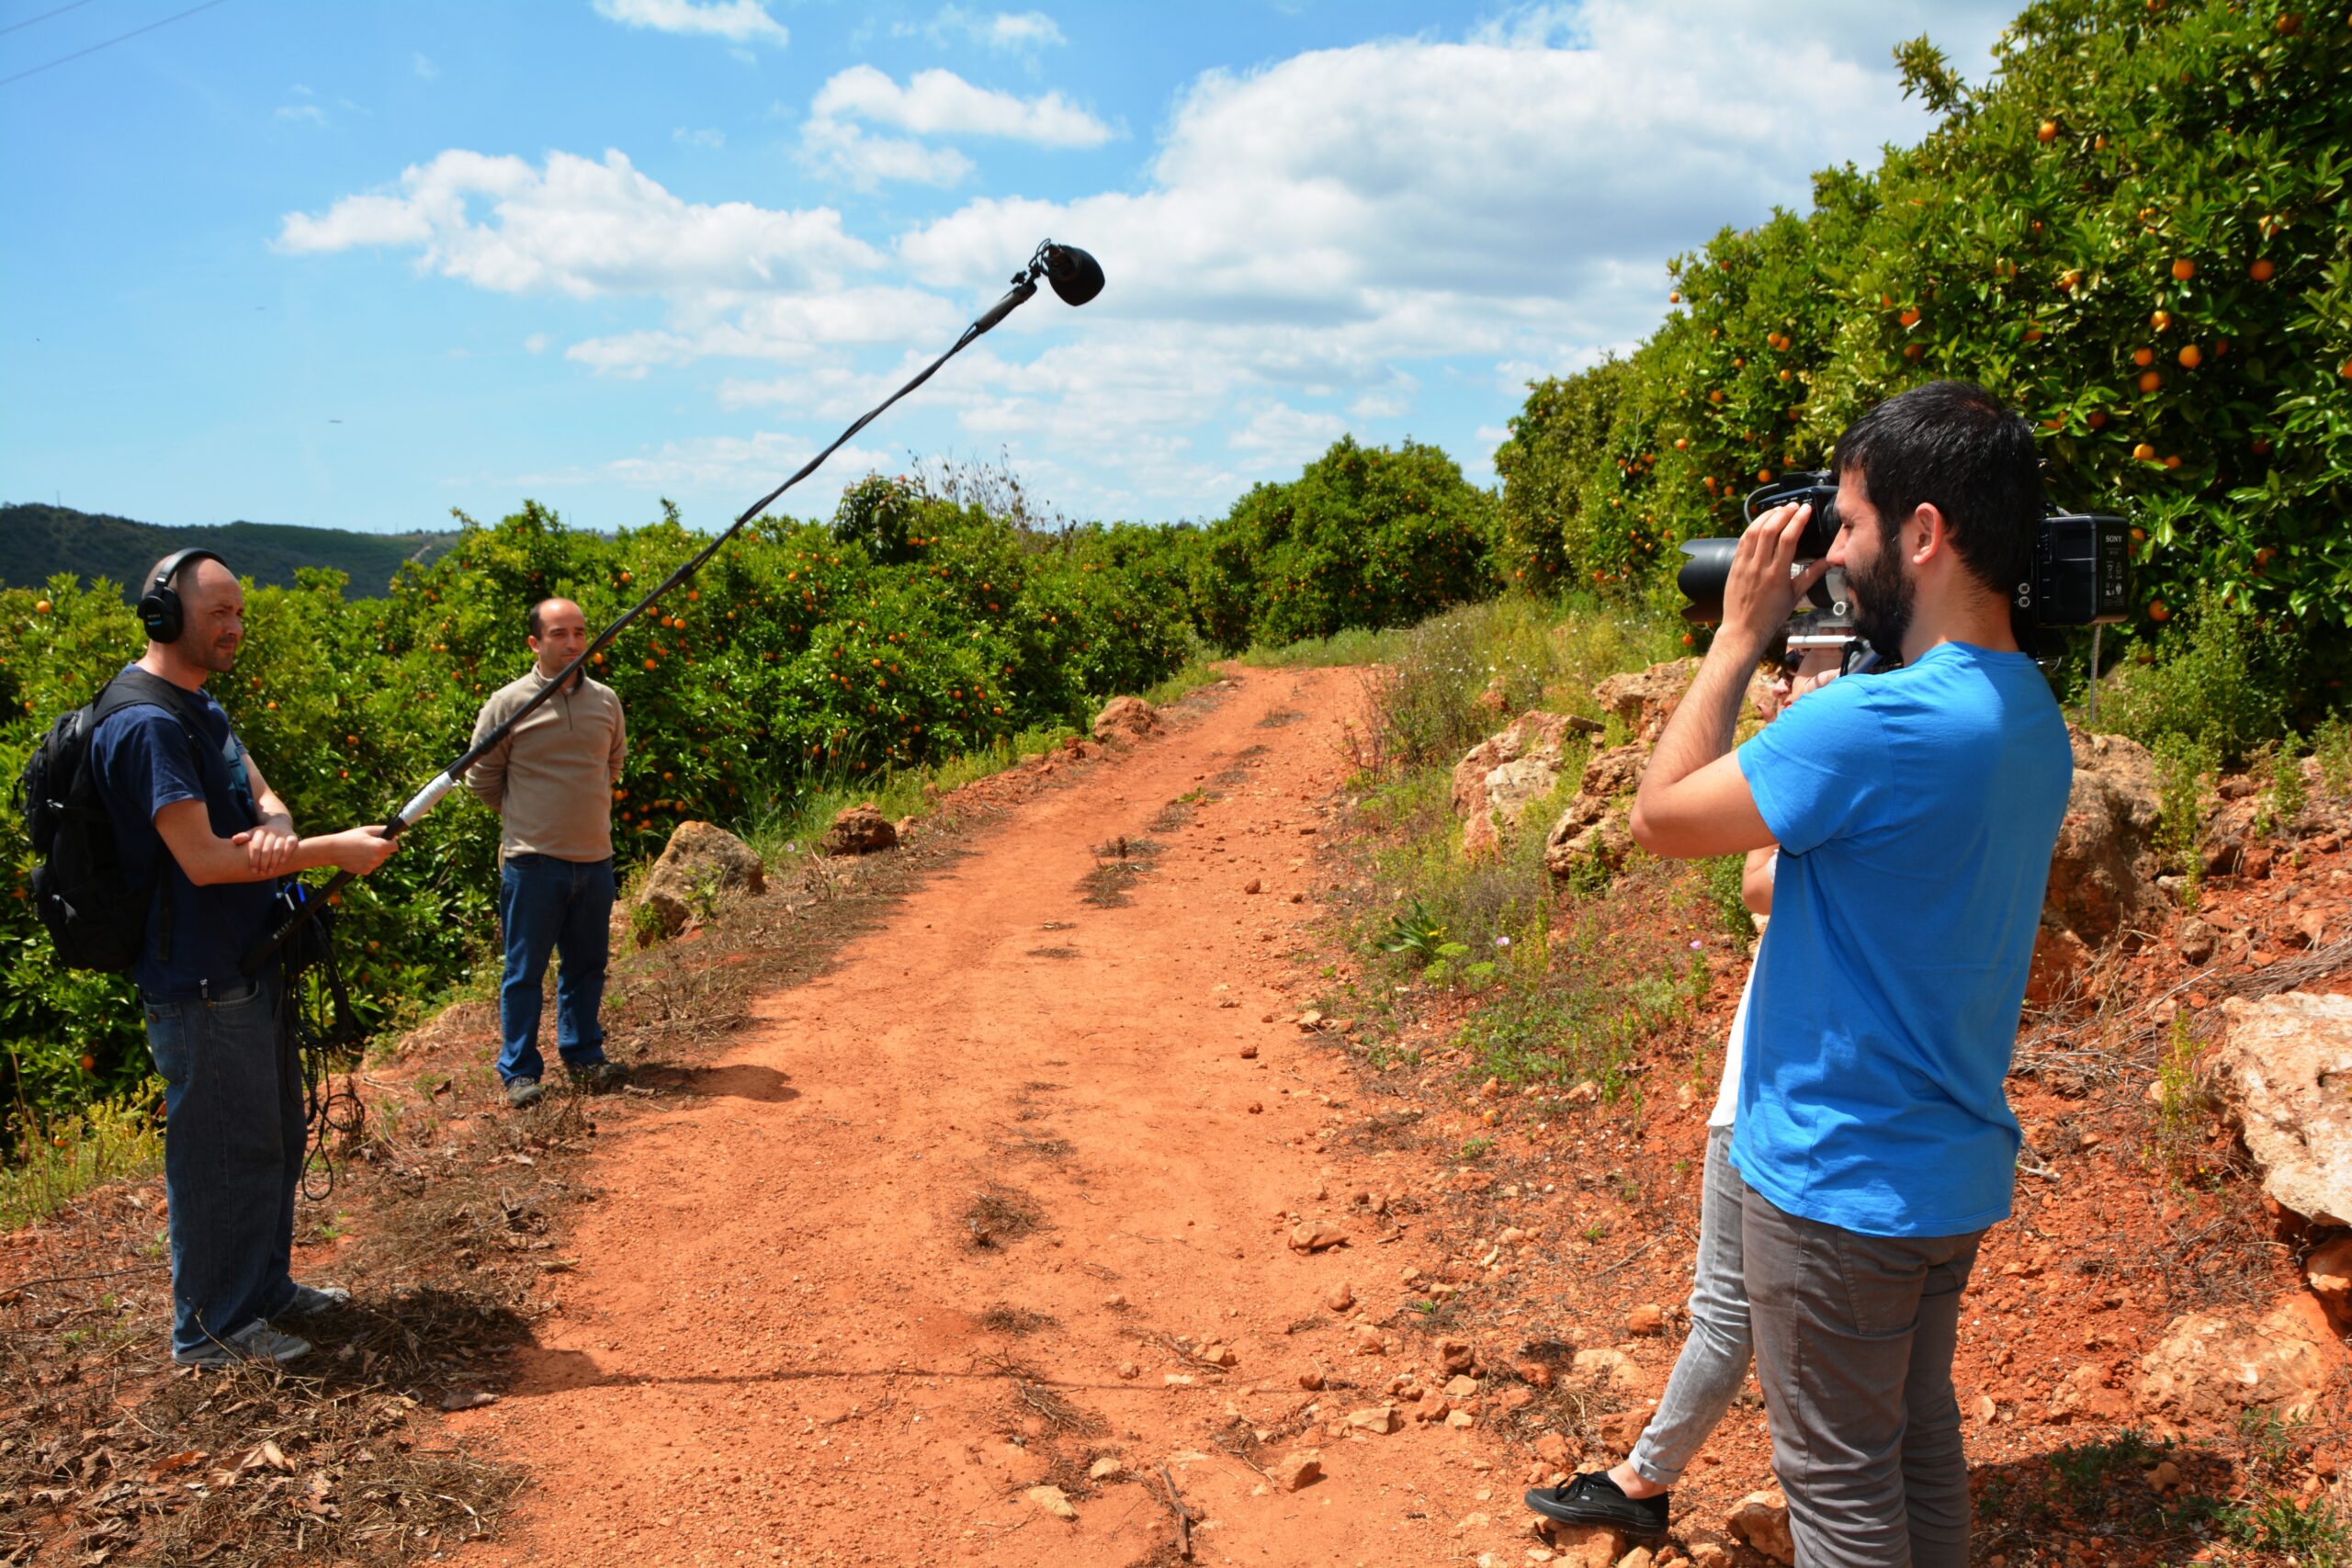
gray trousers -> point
(1854, 1341)
(1714, 1361)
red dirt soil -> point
(792, 1336)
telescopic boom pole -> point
(1049, 257)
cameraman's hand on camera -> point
(1764, 587)
(360, 850)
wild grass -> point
(66, 1157)
(1551, 1007)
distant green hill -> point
(38, 542)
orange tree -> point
(2137, 232)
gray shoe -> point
(521, 1093)
(257, 1341)
(598, 1077)
(311, 1299)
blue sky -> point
(356, 263)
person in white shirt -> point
(1633, 1495)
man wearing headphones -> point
(195, 820)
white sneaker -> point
(257, 1341)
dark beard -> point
(1883, 600)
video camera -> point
(2081, 570)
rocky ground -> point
(1036, 1191)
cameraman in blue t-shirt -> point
(194, 819)
(1916, 813)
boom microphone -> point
(1075, 277)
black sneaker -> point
(1595, 1500)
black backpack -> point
(95, 922)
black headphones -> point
(160, 611)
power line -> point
(109, 43)
(45, 16)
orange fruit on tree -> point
(2143, 356)
(2033, 333)
(2143, 451)
(2069, 278)
(2048, 131)
(2191, 356)
(1674, 298)
(2150, 380)
(40, 607)
(2172, 461)
(1912, 351)
(2161, 320)
(89, 1062)
(1682, 444)
(1763, 476)
(2099, 418)
(2183, 270)
(2261, 270)
(2289, 24)
(1909, 318)
(2159, 611)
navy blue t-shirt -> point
(146, 762)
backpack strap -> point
(135, 688)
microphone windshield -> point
(1076, 276)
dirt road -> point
(924, 1238)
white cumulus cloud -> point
(1012, 32)
(738, 21)
(940, 103)
(841, 150)
(581, 227)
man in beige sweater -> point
(551, 781)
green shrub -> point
(1365, 537)
(2186, 768)
(2332, 747)
(2217, 679)
(2284, 794)
(1724, 875)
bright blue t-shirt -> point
(1916, 813)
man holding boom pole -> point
(193, 819)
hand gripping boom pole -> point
(1074, 275)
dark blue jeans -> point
(232, 1156)
(563, 907)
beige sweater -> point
(552, 778)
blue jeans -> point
(232, 1156)
(562, 907)
(1714, 1361)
